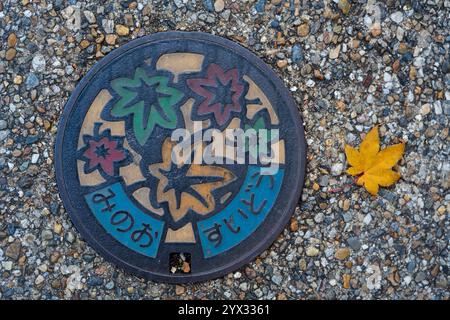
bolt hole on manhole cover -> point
(180, 157)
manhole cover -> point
(180, 156)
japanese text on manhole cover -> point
(180, 156)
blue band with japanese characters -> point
(124, 221)
(243, 215)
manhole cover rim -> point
(298, 171)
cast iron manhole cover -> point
(180, 156)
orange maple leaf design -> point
(372, 166)
(200, 181)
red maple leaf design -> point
(104, 153)
(221, 91)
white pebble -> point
(397, 17)
(437, 108)
(35, 158)
(7, 265)
(38, 63)
(337, 168)
(367, 219)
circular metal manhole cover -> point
(180, 156)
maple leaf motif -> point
(254, 149)
(372, 166)
(221, 91)
(186, 186)
(103, 151)
(148, 100)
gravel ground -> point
(349, 65)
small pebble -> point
(219, 5)
(342, 253)
(312, 251)
(122, 30)
(10, 54)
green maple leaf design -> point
(148, 100)
(259, 124)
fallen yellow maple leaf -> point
(372, 166)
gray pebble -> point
(354, 243)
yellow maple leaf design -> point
(372, 166)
